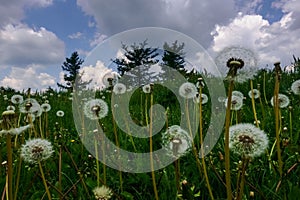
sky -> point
(37, 35)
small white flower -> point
(36, 150)
(256, 93)
(247, 140)
(283, 101)
(102, 193)
(236, 103)
(296, 87)
(188, 90)
(119, 88)
(95, 109)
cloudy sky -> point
(37, 35)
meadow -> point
(64, 169)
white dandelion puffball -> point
(95, 109)
(146, 88)
(283, 100)
(36, 150)
(10, 108)
(31, 106)
(15, 131)
(236, 102)
(60, 113)
(16, 99)
(237, 93)
(46, 107)
(176, 141)
(249, 69)
(110, 79)
(119, 88)
(204, 98)
(296, 87)
(255, 92)
(247, 140)
(102, 193)
(188, 90)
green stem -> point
(97, 165)
(277, 123)
(44, 181)
(242, 183)
(253, 104)
(60, 171)
(202, 147)
(9, 166)
(227, 153)
(151, 150)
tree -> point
(173, 57)
(138, 59)
(72, 66)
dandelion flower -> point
(46, 107)
(245, 62)
(237, 93)
(119, 88)
(247, 140)
(296, 87)
(110, 79)
(204, 98)
(60, 113)
(102, 193)
(146, 88)
(283, 101)
(11, 108)
(31, 106)
(236, 102)
(176, 141)
(95, 109)
(16, 99)
(36, 150)
(188, 90)
(256, 93)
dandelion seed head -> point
(36, 150)
(146, 88)
(16, 99)
(236, 102)
(102, 193)
(10, 108)
(60, 113)
(110, 79)
(31, 106)
(283, 100)
(95, 109)
(119, 88)
(188, 90)
(296, 87)
(204, 98)
(247, 140)
(237, 93)
(46, 107)
(256, 93)
(176, 141)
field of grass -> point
(72, 172)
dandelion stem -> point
(60, 171)
(277, 122)
(97, 165)
(227, 153)
(151, 149)
(9, 166)
(242, 182)
(44, 181)
(253, 104)
(202, 146)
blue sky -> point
(37, 35)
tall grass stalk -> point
(253, 104)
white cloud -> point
(272, 42)
(12, 11)
(76, 35)
(194, 18)
(21, 45)
(94, 73)
(20, 78)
